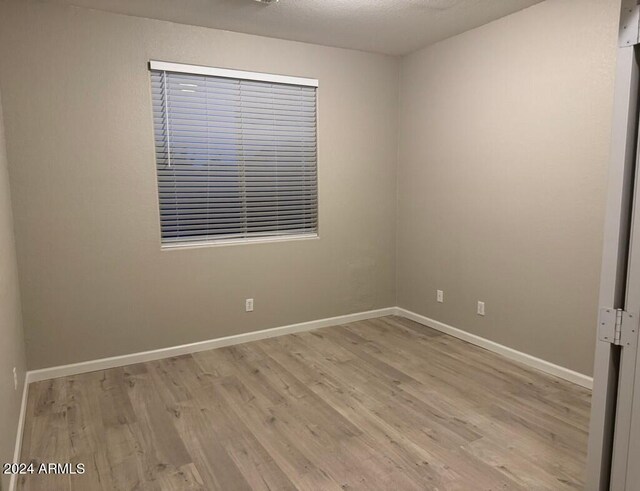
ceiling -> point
(393, 27)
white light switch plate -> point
(480, 308)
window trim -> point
(244, 75)
(228, 73)
(239, 241)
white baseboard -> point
(512, 354)
(123, 360)
(13, 481)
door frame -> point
(614, 366)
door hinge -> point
(629, 33)
(617, 326)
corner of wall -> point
(12, 349)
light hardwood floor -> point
(380, 404)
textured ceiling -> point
(384, 26)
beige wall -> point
(94, 280)
(11, 339)
(503, 153)
(501, 179)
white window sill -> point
(235, 242)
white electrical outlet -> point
(480, 308)
(15, 379)
(440, 296)
(248, 305)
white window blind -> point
(236, 157)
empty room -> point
(319, 245)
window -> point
(235, 154)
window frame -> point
(240, 75)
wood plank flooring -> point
(383, 404)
